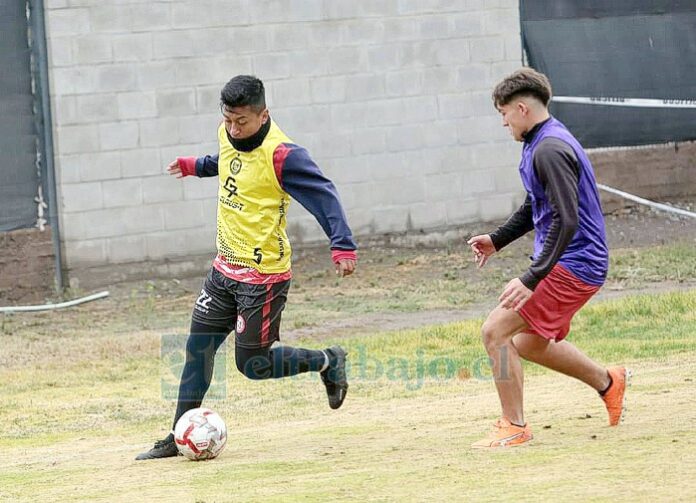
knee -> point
(254, 365)
(489, 336)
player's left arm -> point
(557, 168)
(300, 177)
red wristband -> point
(338, 255)
(187, 165)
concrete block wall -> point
(392, 98)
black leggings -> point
(256, 364)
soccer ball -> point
(200, 434)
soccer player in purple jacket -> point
(568, 267)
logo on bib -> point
(235, 165)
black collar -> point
(254, 141)
(529, 135)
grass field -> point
(73, 420)
(83, 391)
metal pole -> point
(38, 26)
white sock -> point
(326, 362)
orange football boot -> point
(614, 398)
(505, 434)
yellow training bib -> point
(252, 206)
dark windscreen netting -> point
(623, 49)
(19, 179)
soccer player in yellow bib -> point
(259, 169)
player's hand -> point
(515, 295)
(174, 169)
(482, 246)
(345, 267)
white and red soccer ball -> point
(200, 434)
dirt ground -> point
(401, 267)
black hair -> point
(244, 90)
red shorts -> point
(554, 303)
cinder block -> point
(369, 141)
(442, 187)
(67, 22)
(346, 60)
(435, 27)
(201, 189)
(427, 215)
(204, 14)
(496, 206)
(501, 21)
(138, 17)
(399, 29)
(364, 87)
(174, 44)
(60, 50)
(72, 80)
(389, 219)
(361, 10)
(486, 49)
(462, 210)
(140, 162)
(132, 47)
(292, 91)
(404, 83)
(90, 49)
(120, 250)
(183, 215)
(84, 253)
(468, 24)
(136, 105)
(178, 243)
(110, 78)
(77, 139)
(409, 190)
(288, 37)
(402, 138)
(176, 102)
(127, 192)
(159, 132)
(96, 108)
(198, 128)
(99, 166)
(65, 111)
(328, 89)
(475, 77)
(453, 51)
(71, 227)
(440, 79)
(208, 99)
(307, 119)
(285, 11)
(81, 197)
(163, 188)
(383, 58)
(118, 222)
(440, 133)
(480, 181)
(272, 66)
(156, 75)
(118, 135)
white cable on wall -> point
(652, 204)
(48, 307)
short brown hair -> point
(524, 82)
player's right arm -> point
(192, 166)
(519, 224)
